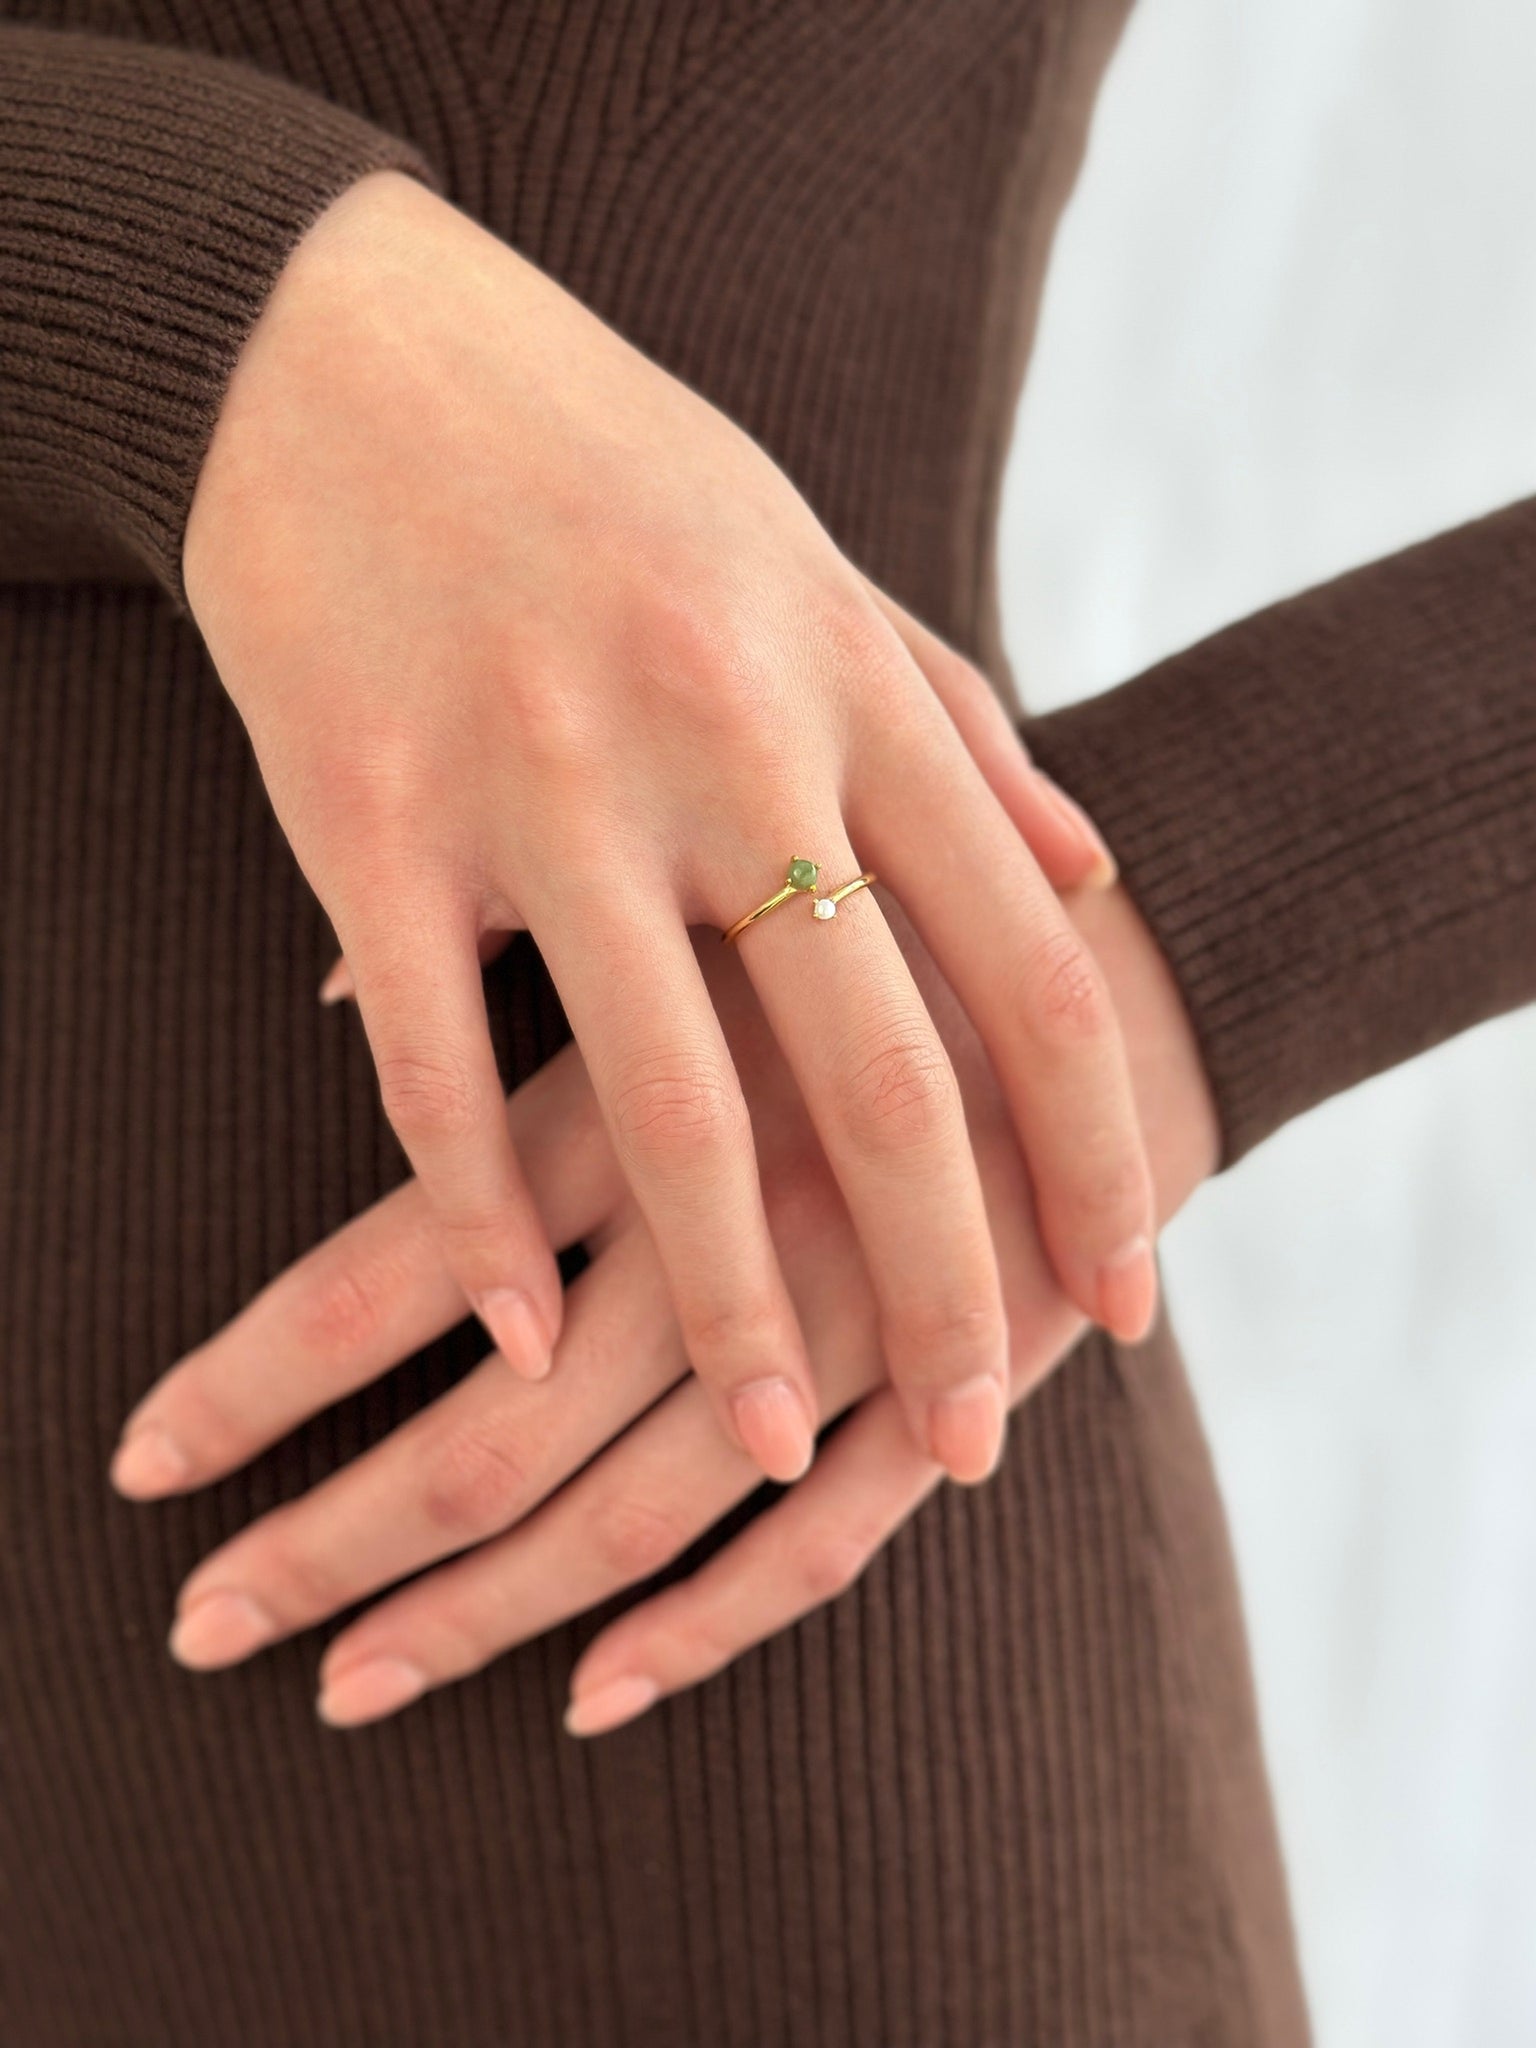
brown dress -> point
(1008, 1789)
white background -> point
(1291, 325)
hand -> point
(483, 1472)
(526, 634)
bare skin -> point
(479, 1479)
(527, 634)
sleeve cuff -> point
(152, 198)
(1326, 813)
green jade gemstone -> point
(802, 874)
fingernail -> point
(965, 1428)
(369, 1690)
(609, 1706)
(1128, 1290)
(516, 1331)
(221, 1628)
(1104, 871)
(774, 1428)
(149, 1462)
(337, 983)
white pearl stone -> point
(823, 907)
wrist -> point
(306, 329)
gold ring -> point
(800, 880)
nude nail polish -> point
(516, 1331)
(774, 1428)
(368, 1691)
(610, 1706)
(148, 1463)
(1128, 1291)
(965, 1427)
(1104, 872)
(220, 1628)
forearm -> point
(1326, 814)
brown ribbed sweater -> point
(1008, 1789)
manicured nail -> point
(221, 1628)
(610, 1706)
(774, 1428)
(516, 1331)
(1104, 871)
(338, 983)
(148, 1463)
(1128, 1291)
(965, 1428)
(368, 1691)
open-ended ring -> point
(801, 881)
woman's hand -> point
(526, 633)
(483, 1472)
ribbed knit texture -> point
(149, 199)
(1007, 1790)
(1327, 814)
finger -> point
(459, 1472)
(1033, 990)
(1061, 835)
(338, 983)
(482, 1457)
(636, 1509)
(795, 1557)
(679, 1126)
(423, 1007)
(880, 1088)
(627, 1513)
(357, 1303)
(815, 1542)
(653, 1492)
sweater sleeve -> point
(148, 200)
(1327, 815)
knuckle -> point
(473, 1482)
(859, 650)
(916, 677)
(727, 1342)
(961, 676)
(376, 778)
(555, 726)
(851, 630)
(828, 1563)
(361, 767)
(900, 1092)
(682, 633)
(460, 1633)
(338, 1311)
(305, 1576)
(1067, 999)
(706, 1638)
(713, 661)
(427, 1094)
(1114, 1195)
(635, 1537)
(477, 1241)
(673, 1109)
(958, 1331)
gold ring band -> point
(800, 880)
